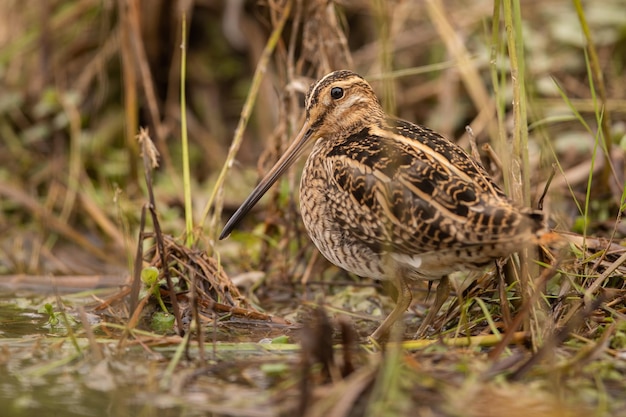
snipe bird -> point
(391, 200)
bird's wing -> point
(411, 196)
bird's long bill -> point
(291, 154)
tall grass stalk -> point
(517, 168)
(183, 135)
(596, 143)
(584, 211)
(515, 42)
(498, 79)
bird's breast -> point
(323, 206)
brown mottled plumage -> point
(387, 199)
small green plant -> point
(57, 320)
(150, 277)
(161, 320)
(53, 320)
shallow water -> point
(44, 373)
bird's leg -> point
(402, 303)
(443, 290)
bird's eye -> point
(336, 92)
